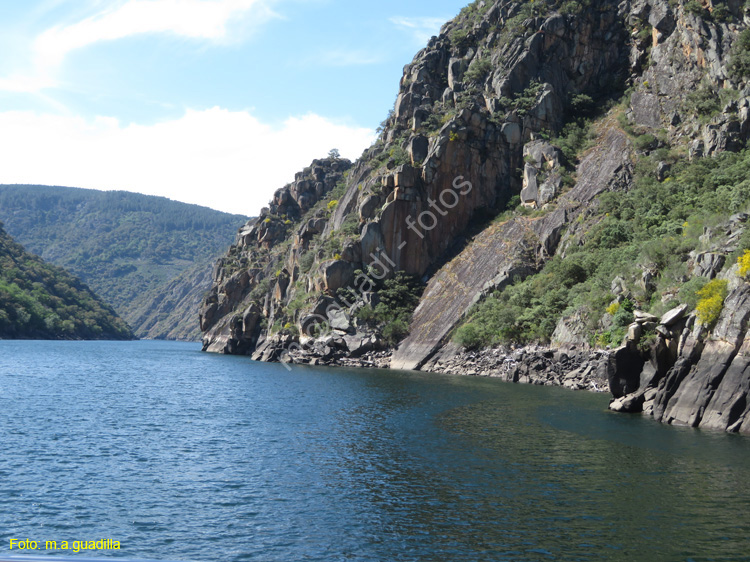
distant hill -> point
(42, 301)
(133, 250)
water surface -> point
(187, 456)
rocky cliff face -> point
(690, 375)
(471, 136)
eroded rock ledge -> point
(696, 378)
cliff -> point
(549, 174)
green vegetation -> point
(739, 64)
(41, 301)
(703, 103)
(524, 101)
(652, 228)
(478, 70)
(127, 247)
(575, 138)
(398, 299)
(719, 12)
(696, 8)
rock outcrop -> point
(471, 188)
(694, 377)
(505, 252)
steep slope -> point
(551, 172)
(171, 311)
(41, 301)
(132, 249)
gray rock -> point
(418, 149)
(643, 317)
(708, 264)
(687, 400)
(646, 109)
(512, 133)
(635, 331)
(338, 320)
(530, 192)
(371, 240)
(369, 207)
(335, 275)
(630, 404)
(624, 371)
(662, 170)
(674, 316)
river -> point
(181, 455)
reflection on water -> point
(189, 456)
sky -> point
(212, 102)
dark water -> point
(180, 455)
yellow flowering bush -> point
(744, 263)
(711, 301)
(613, 308)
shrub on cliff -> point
(478, 70)
(711, 302)
(744, 262)
(739, 64)
(398, 297)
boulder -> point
(542, 153)
(674, 316)
(512, 133)
(371, 240)
(630, 404)
(250, 320)
(530, 192)
(358, 345)
(338, 320)
(369, 207)
(644, 317)
(335, 275)
(635, 331)
(708, 264)
(352, 252)
(405, 176)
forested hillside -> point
(128, 247)
(41, 301)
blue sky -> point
(214, 102)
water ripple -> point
(180, 455)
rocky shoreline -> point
(573, 368)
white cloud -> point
(195, 19)
(218, 158)
(422, 29)
(206, 20)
